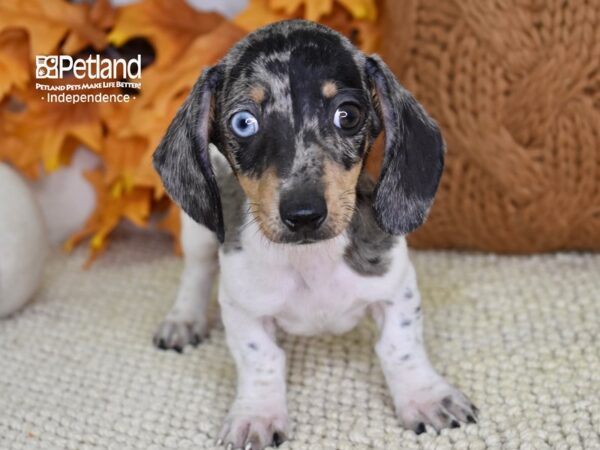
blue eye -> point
(244, 124)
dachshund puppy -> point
(304, 240)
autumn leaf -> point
(313, 9)
(362, 33)
(14, 60)
(150, 124)
(258, 13)
(161, 85)
(163, 92)
(353, 18)
(368, 36)
(122, 158)
(53, 129)
(110, 210)
(14, 150)
(48, 22)
(100, 15)
(170, 25)
(127, 123)
(316, 9)
(361, 9)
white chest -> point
(307, 289)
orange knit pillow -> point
(515, 87)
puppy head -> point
(295, 108)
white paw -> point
(176, 334)
(253, 432)
(439, 405)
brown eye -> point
(346, 117)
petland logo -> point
(58, 66)
(104, 70)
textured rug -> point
(519, 335)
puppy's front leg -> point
(186, 322)
(421, 396)
(258, 416)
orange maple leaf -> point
(52, 130)
(13, 149)
(171, 25)
(161, 85)
(362, 33)
(122, 158)
(257, 14)
(48, 22)
(163, 92)
(14, 60)
(315, 9)
(352, 18)
(110, 210)
(99, 15)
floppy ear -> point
(182, 159)
(414, 154)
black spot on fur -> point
(447, 402)
(443, 416)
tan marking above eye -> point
(257, 93)
(329, 89)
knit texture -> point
(515, 87)
(518, 335)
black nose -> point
(303, 214)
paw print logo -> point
(46, 66)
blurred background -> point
(515, 86)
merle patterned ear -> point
(414, 154)
(182, 159)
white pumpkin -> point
(23, 242)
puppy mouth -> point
(282, 235)
(307, 238)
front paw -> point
(439, 405)
(253, 432)
(175, 334)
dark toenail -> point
(420, 428)
(277, 440)
(471, 419)
(447, 401)
(454, 424)
(178, 349)
(162, 344)
(196, 339)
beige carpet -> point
(519, 335)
